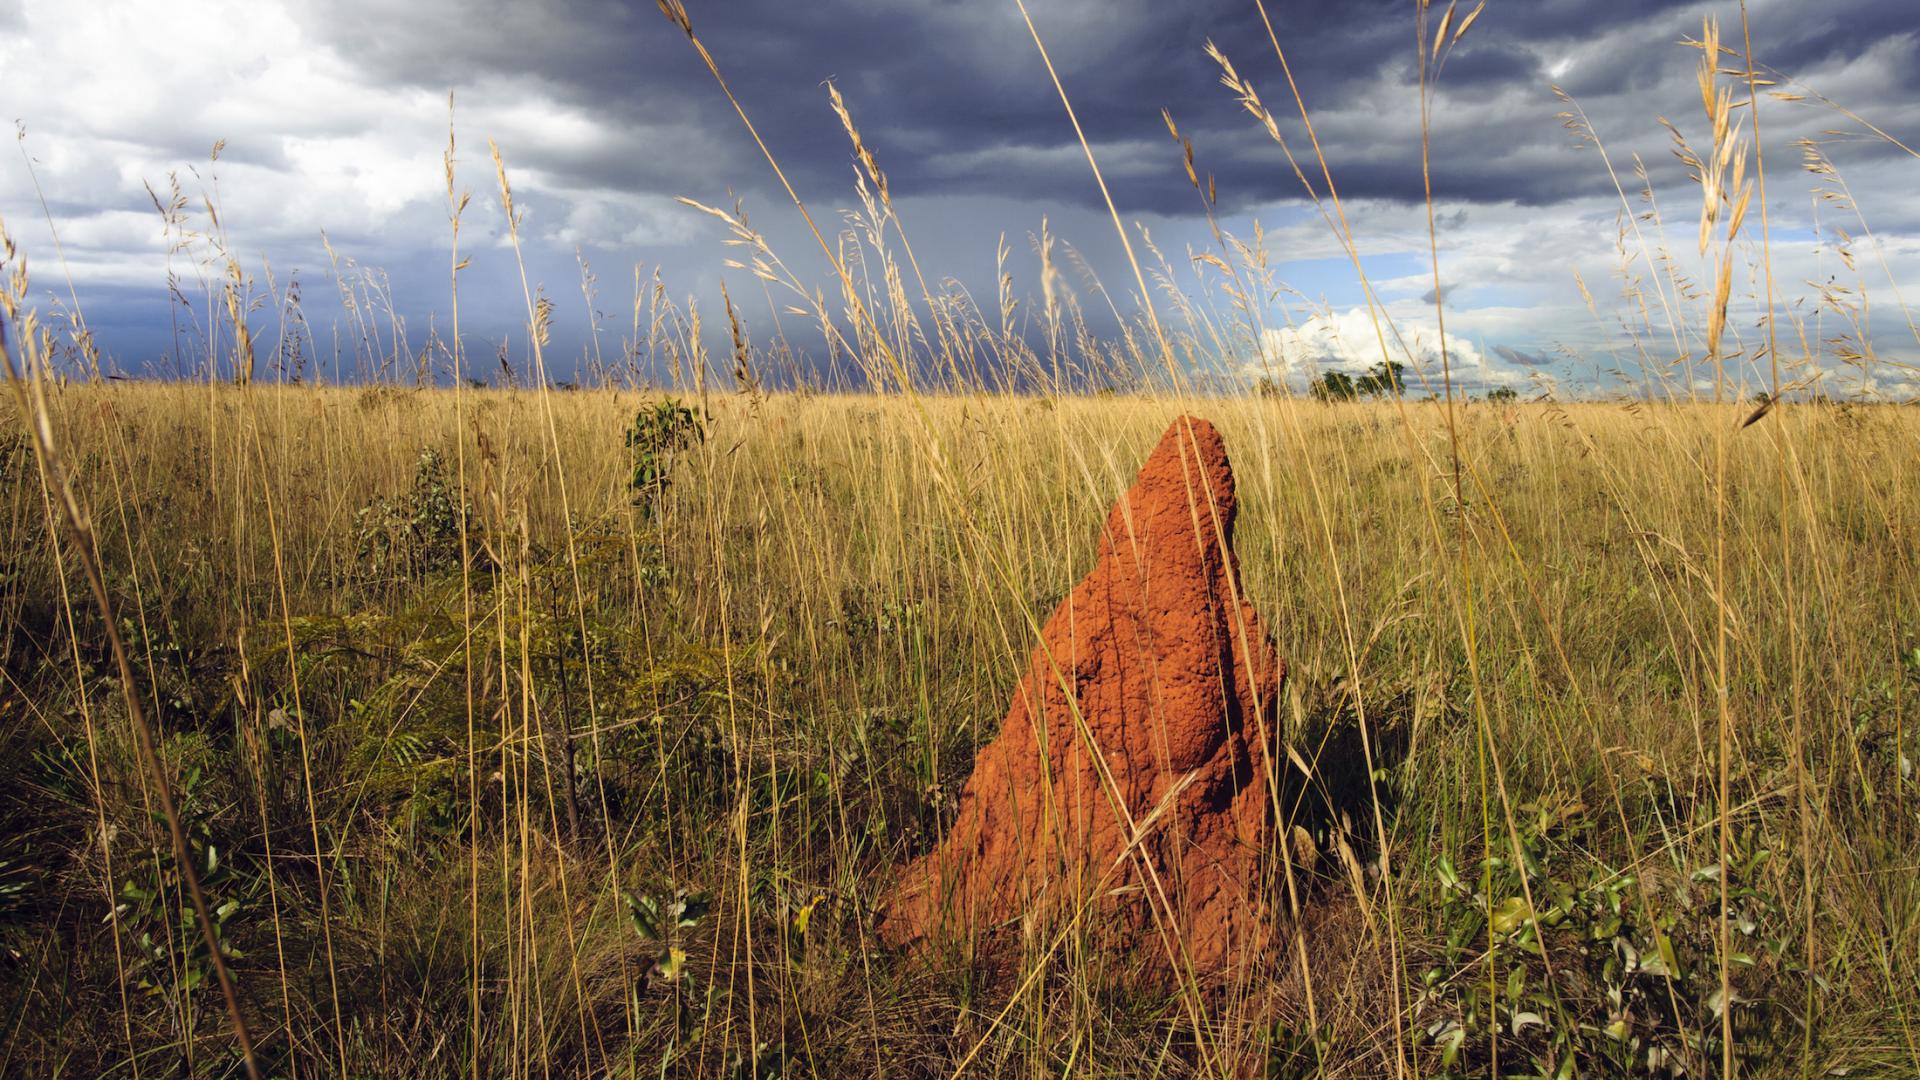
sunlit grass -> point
(540, 730)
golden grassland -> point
(372, 731)
(618, 789)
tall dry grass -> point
(505, 732)
(795, 659)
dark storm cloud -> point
(954, 99)
(604, 112)
(1522, 357)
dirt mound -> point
(1173, 679)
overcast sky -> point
(334, 119)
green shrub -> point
(659, 433)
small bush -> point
(415, 533)
(659, 433)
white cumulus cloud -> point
(1351, 341)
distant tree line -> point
(1385, 379)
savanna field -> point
(378, 705)
(488, 756)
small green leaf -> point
(1509, 915)
(645, 914)
(671, 965)
(1660, 963)
(804, 916)
(691, 908)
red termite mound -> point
(1174, 679)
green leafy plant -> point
(170, 957)
(660, 919)
(414, 533)
(657, 435)
(1634, 986)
